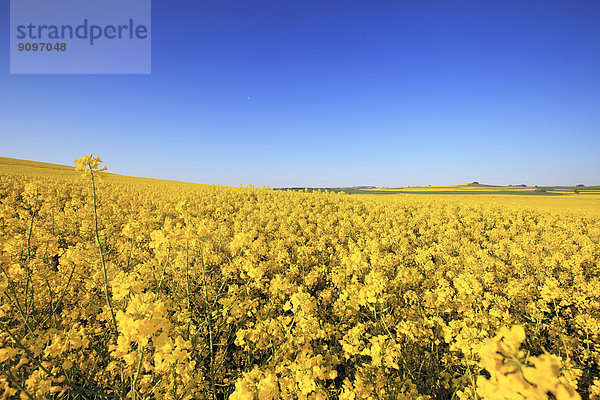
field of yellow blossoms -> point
(114, 287)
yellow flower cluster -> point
(114, 287)
(514, 376)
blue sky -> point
(332, 93)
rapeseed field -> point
(114, 287)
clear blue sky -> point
(332, 93)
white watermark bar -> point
(80, 37)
